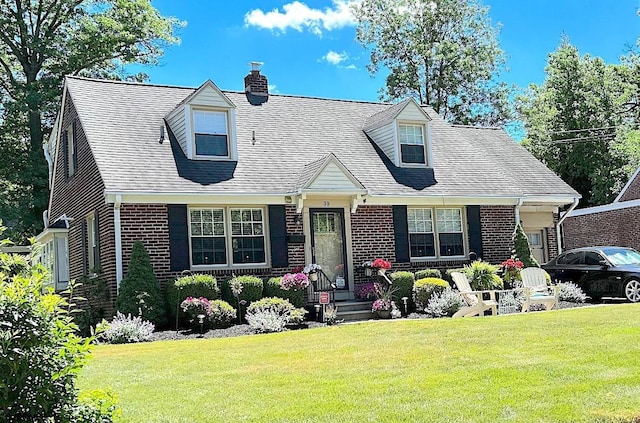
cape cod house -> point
(254, 183)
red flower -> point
(381, 264)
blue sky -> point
(308, 47)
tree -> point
(576, 123)
(139, 292)
(41, 41)
(444, 53)
(522, 249)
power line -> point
(582, 130)
(606, 137)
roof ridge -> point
(494, 128)
(150, 84)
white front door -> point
(536, 242)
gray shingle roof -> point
(122, 123)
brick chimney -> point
(254, 83)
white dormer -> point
(205, 125)
(402, 132)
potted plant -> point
(381, 265)
(382, 308)
(311, 271)
(511, 270)
(294, 281)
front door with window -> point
(328, 245)
(536, 242)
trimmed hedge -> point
(272, 289)
(252, 287)
(197, 285)
(424, 288)
(403, 287)
(428, 273)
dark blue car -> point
(599, 271)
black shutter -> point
(401, 231)
(75, 148)
(475, 230)
(96, 251)
(65, 152)
(178, 237)
(85, 255)
(278, 236)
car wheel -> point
(632, 290)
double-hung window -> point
(227, 236)
(211, 133)
(435, 233)
(412, 149)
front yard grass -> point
(578, 365)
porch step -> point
(354, 310)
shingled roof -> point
(122, 121)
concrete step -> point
(344, 306)
(351, 316)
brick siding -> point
(614, 227)
(497, 223)
(633, 191)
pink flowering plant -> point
(381, 304)
(292, 281)
(381, 264)
(511, 270)
(196, 306)
(366, 290)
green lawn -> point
(563, 366)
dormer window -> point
(412, 149)
(211, 134)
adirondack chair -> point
(476, 304)
(536, 289)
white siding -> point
(413, 113)
(332, 177)
(176, 121)
(209, 97)
(384, 138)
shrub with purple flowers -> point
(365, 290)
(294, 281)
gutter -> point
(518, 205)
(564, 216)
(118, 239)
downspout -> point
(118, 236)
(518, 205)
(564, 216)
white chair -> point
(476, 304)
(536, 290)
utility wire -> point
(583, 130)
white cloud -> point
(335, 58)
(273, 88)
(299, 16)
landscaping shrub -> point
(483, 276)
(272, 289)
(522, 249)
(139, 292)
(196, 286)
(424, 288)
(571, 292)
(445, 303)
(222, 314)
(40, 353)
(94, 297)
(266, 321)
(297, 315)
(126, 330)
(275, 304)
(403, 287)
(252, 287)
(428, 273)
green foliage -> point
(92, 296)
(403, 287)
(139, 292)
(275, 304)
(428, 273)
(272, 289)
(125, 330)
(424, 288)
(443, 53)
(222, 314)
(252, 287)
(40, 353)
(444, 303)
(483, 276)
(197, 285)
(58, 38)
(521, 249)
(581, 93)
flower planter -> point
(383, 314)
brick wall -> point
(552, 239)
(372, 236)
(615, 227)
(80, 195)
(497, 223)
(633, 191)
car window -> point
(622, 256)
(592, 258)
(570, 258)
